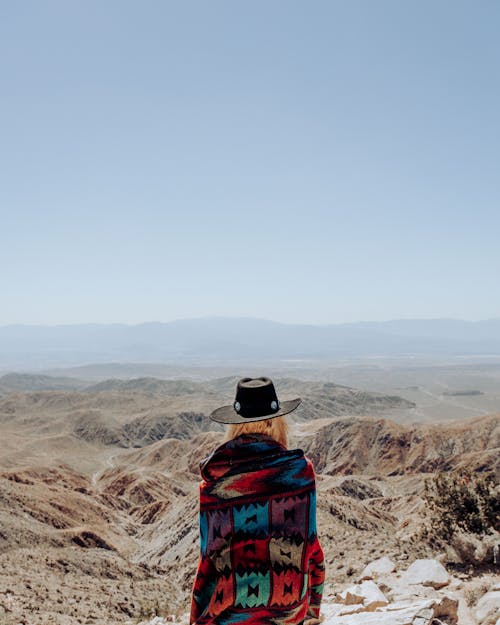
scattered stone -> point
(397, 615)
(415, 604)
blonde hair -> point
(276, 428)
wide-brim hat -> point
(255, 400)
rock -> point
(349, 596)
(382, 566)
(416, 612)
(412, 592)
(427, 572)
(398, 615)
(368, 594)
(456, 584)
(487, 610)
(329, 610)
(423, 617)
(446, 609)
(351, 609)
(352, 597)
(385, 586)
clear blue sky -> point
(298, 161)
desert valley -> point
(99, 481)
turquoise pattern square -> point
(252, 589)
(253, 518)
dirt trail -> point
(109, 464)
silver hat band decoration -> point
(274, 405)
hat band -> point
(259, 409)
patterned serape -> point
(261, 562)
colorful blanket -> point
(260, 558)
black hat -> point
(255, 400)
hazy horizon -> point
(263, 319)
(222, 340)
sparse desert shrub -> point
(462, 501)
(462, 515)
(149, 608)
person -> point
(261, 561)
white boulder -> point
(382, 566)
(416, 612)
(487, 611)
(367, 595)
(427, 572)
(412, 592)
(400, 615)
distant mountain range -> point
(219, 339)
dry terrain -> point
(98, 486)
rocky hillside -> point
(136, 412)
(19, 382)
(379, 446)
